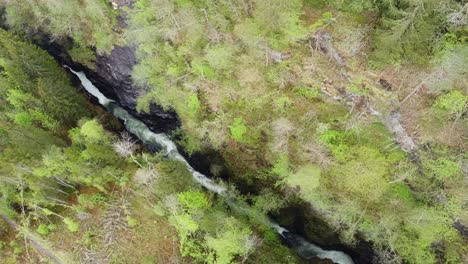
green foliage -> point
(350, 6)
(369, 199)
(307, 92)
(159, 210)
(83, 55)
(282, 103)
(328, 135)
(221, 57)
(443, 168)
(36, 88)
(44, 229)
(202, 69)
(229, 243)
(279, 21)
(281, 166)
(206, 230)
(93, 132)
(357, 88)
(233, 70)
(416, 239)
(326, 19)
(453, 103)
(131, 222)
(193, 200)
(37, 109)
(364, 175)
(269, 201)
(407, 31)
(192, 107)
(174, 178)
(71, 224)
(402, 191)
(451, 59)
(91, 200)
(17, 247)
(307, 178)
(238, 130)
(213, 51)
(90, 160)
(185, 225)
(23, 119)
(87, 23)
(88, 239)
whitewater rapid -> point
(304, 248)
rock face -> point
(114, 72)
(302, 219)
(112, 76)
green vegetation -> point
(55, 177)
(35, 87)
(88, 23)
(256, 85)
(209, 232)
(452, 103)
(295, 96)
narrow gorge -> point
(233, 131)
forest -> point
(342, 123)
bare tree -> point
(282, 129)
(115, 219)
(171, 203)
(251, 243)
(386, 256)
(125, 146)
(459, 18)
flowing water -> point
(303, 248)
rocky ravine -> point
(112, 76)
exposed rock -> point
(112, 76)
(113, 72)
(302, 219)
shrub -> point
(193, 200)
(72, 226)
(307, 92)
(281, 166)
(443, 168)
(453, 103)
(88, 23)
(363, 177)
(228, 243)
(238, 130)
(91, 200)
(307, 178)
(131, 222)
(221, 57)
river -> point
(304, 248)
